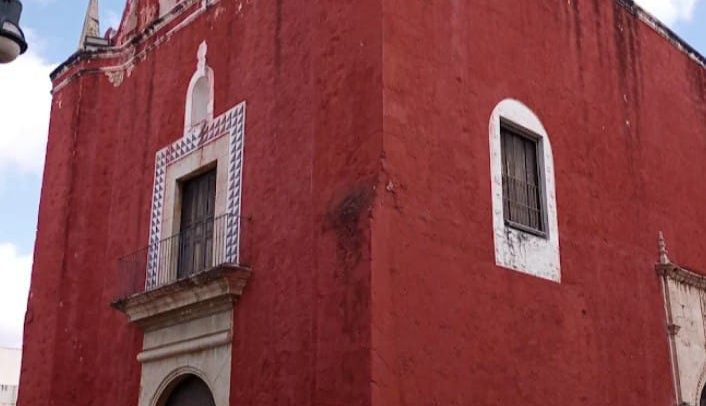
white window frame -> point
(516, 249)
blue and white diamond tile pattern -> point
(156, 217)
(232, 122)
(236, 121)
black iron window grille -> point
(523, 194)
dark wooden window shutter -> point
(522, 188)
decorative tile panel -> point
(230, 123)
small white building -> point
(10, 361)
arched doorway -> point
(703, 397)
(190, 391)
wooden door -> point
(196, 227)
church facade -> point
(372, 202)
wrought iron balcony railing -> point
(205, 245)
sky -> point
(52, 28)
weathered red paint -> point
(368, 196)
(626, 117)
(303, 331)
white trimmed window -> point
(525, 225)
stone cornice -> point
(201, 295)
(134, 48)
(663, 31)
(681, 275)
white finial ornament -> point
(201, 57)
(199, 96)
(663, 258)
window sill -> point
(527, 230)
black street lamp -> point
(12, 39)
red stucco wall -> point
(626, 115)
(312, 81)
(367, 196)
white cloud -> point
(670, 11)
(15, 271)
(24, 118)
(24, 111)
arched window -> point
(189, 390)
(199, 96)
(703, 397)
(525, 227)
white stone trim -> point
(188, 329)
(514, 249)
(212, 340)
(214, 153)
(685, 305)
(166, 6)
(701, 386)
(210, 357)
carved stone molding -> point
(681, 275)
(201, 295)
(685, 304)
(188, 328)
